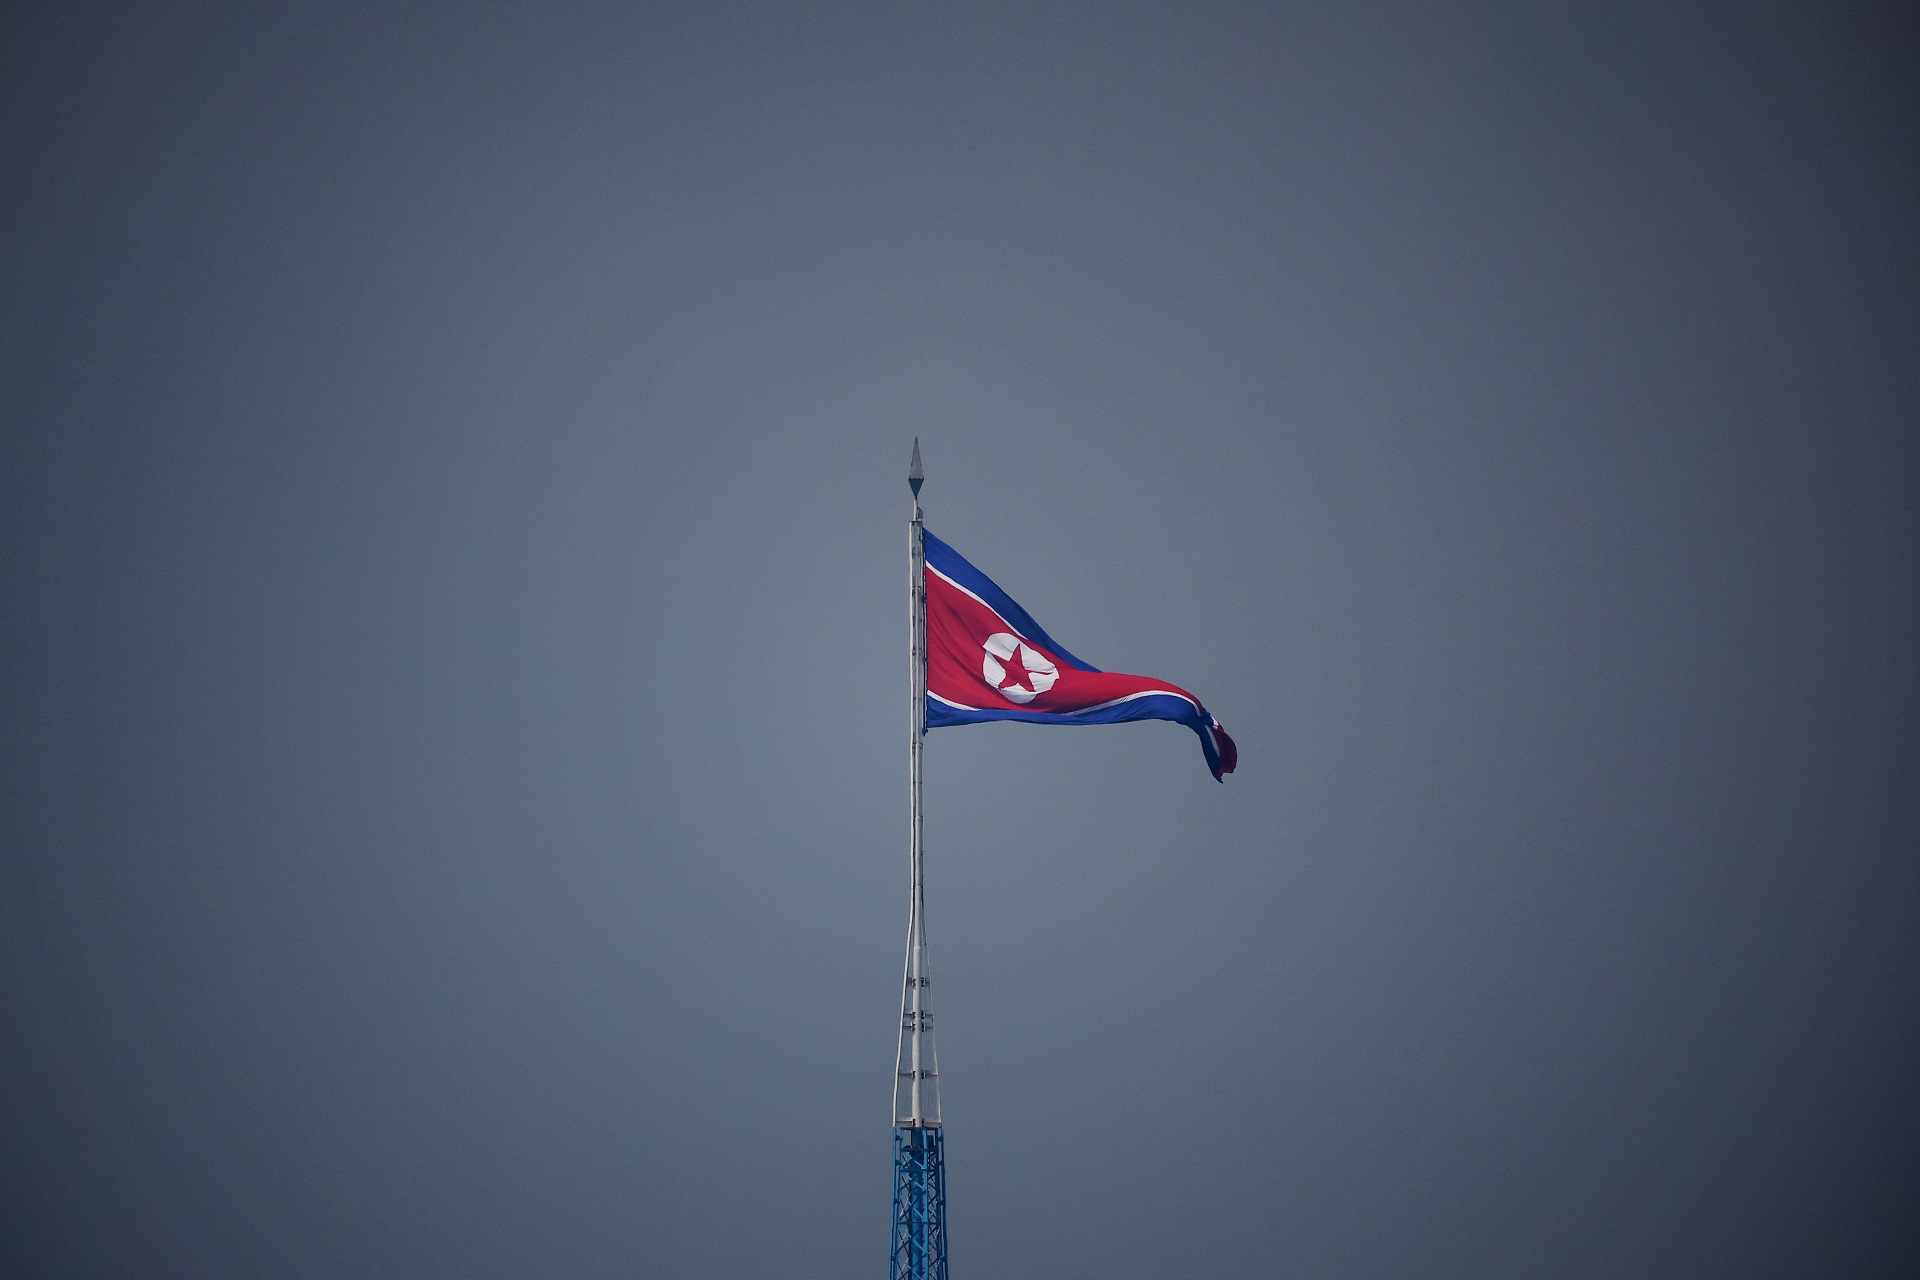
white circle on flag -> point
(1039, 669)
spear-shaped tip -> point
(915, 476)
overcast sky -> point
(453, 790)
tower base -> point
(919, 1205)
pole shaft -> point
(916, 747)
(916, 1095)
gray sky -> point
(453, 791)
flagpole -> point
(914, 995)
(919, 1246)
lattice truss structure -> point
(919, 1205)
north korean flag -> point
(987, 659)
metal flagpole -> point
(919, 1165)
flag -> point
(987, 659)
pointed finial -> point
(915, 476)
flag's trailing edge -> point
(987, 659)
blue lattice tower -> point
(919, 1205)
(919, 1249)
